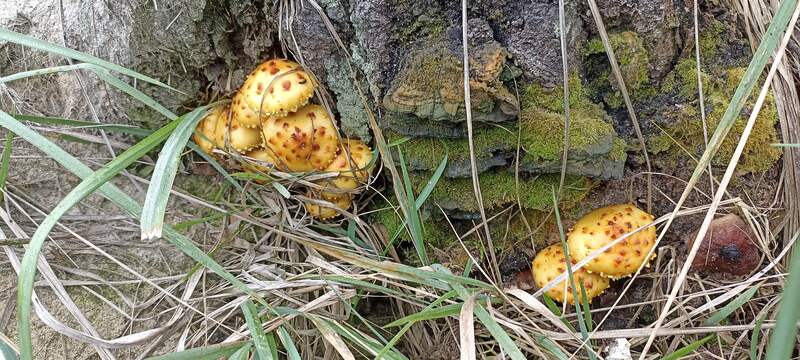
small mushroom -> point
(727, 249)
(322, 212)
(240, 138)
(305, 140)
(604, 225)
(204, 135)
(353, 165)
(275, 88)
(550, 263)
(263, 156)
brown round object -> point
(322, 212)
(729, 248)
(352, 164)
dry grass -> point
(331, 289)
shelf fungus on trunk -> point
(551, 262)
(275, 88)
(728, 249)
(604, 225)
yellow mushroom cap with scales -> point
(275, 88)
(340, 201)
(604, 225)
(353, 165)
(550, 262)
(305, 140)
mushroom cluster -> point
(271, 122)
(592, 232)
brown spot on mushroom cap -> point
(627, 255)
(550, 263)
(728, 249)
(313, 149)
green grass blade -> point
(7, 351)
(242, 354)
(262, 344)
(5, 160)
(755, 336)
(115, 195)
(44, 71)
(133, 92)
(688, 349)
(115, 128)
(288, 344)
(85, 188)
(551, 346)
(581, 319)
(414, 222)
(427, 314)
(426, 191)
(35, 43)
(216, 165)
(211, 352)
(155, 202)
(782, 339)
(728, 309)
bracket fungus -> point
(604, 225)
(275, 88)
(551, 262)
(270, 122)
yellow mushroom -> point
(550, 263)
(340, 202)
(604, 225)
(241, 138)
(275, 88)
(204, 135)
(265, 160)
(305, 140)
(353, 165)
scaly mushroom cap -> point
(276, 87)
(263, 155)
(550, 263)
(353, 169)
(604, 225)
(204, 135)
(341, 201)
(241, 138)
(304, 140)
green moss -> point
(499, 188)
(633, 59)
(630, 53)
(552, 99)
(538, 126)
(711, 38)
(687, 131)
(683, 79)
(541, 131)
